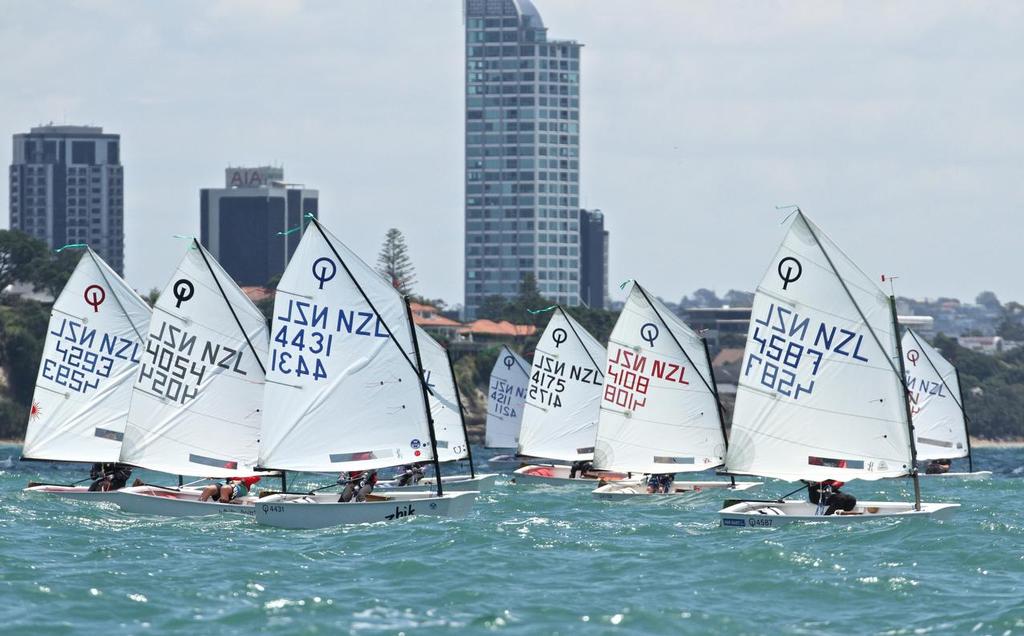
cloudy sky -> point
(897, 126)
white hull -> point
(324, 511)
(559, 474)
(768, 514)
(147, 500)
(626, 490)
(455, 483)
(978, 474)
(80, 493)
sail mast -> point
(967, 429)
(906, 404)
(462, 414)
(423, 389)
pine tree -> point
(394, 263)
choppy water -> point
(526, 561)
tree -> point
(394, 263)
(988, 300)
(52, 271)
(20, 256)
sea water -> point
(527, 560)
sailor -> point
(109, 476)
(826, 494)
(581, 468)
(410, 474)
(938, 467)
(232, 489)
(357, 482)
(660, 483)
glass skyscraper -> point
(522, 155)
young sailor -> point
(660, 483)
(410, 474)
(232, 489)
(109, 476)
(826, 495)
(357, 482)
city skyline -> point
(699, 119)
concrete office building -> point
(244, 224)
(67, 186)
(593, 259)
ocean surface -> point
(528, 560)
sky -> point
(896, 126)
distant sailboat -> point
(449, 422)
(199, 393)
(563, 402)
(937, 407)
(660, 412)
(346, 389)
(506, 402)
(822, 392)
(94, 344)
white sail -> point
(564, 398)
(443, 399)
(199, 394)
(93, 347)
(506, 399)
(820, 394)
(940, 431)
(659, 413)
(342, 391)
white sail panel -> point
(199, 394)
(940, 431)
(340, 394)
(659, 413)
(506, 399)
(443, 399)
(564, 397)
(94, 343)
(819, 393)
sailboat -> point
(660, 410)
(449, 422)
(562, 403)
(94, 344)
(937, 407)
(822, 393)
(506, 402)
(198, 396)
(345, 390)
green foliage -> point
(21, 256)
(394, 263)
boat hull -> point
(80, 493)
(324, 511)
(769, 514)
(454, 483)
(629, 490)
(977, 475)
(147, 500)
(558, 474)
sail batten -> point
(91, 354)
(659, 413)
(343, 391)
(198, 397)
(564, 395)
(819, 394)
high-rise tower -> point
(67, 186)
(522, 154)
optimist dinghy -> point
(562, 404)
(506, 401)
(449, 423)
(660, 412)
(94, 343)
(822, 394)
(199, 394)
(346, 389)
(937, 408)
